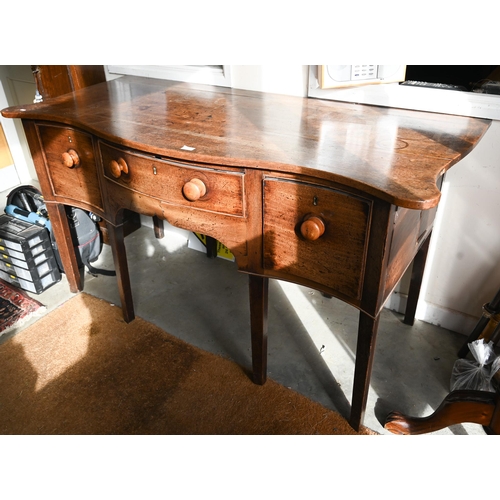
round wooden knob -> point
(70, 158)
(312, 227)
(117, 167)
(194, 189)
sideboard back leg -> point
(259, 292)
(416, 282)
(158, 227)
(60, 226)
(117, 240)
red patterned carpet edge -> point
(16, 307)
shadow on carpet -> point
(82, 370)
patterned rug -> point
(16, 307)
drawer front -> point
(69, 155)
(202, 188)
(316, 233)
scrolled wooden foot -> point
(458, 407)
(397, 423)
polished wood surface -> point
(476, 407)
(396, 155)
(339, 197)
(338, 238)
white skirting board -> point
(435, 315)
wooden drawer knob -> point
(70, 158)
(117, 167)
(194, 189)
(312, 228)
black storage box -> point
(26, 256)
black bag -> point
(26, 202)
(86, 241)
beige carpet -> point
(82, 370)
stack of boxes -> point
(26, 256)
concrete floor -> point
(312, 339)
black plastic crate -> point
(21, 237)
(26, 261)
(33, 272)
(37, 286)
(26, 256)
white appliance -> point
(334, 76)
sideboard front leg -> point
(259, 292)
(367, 335)
(117, 242)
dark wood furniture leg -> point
(367, 336)
(117, 241)
(489, 310)
(158, 227)
(477, 407)
(259, 293)
(416, 282)
(60, 227)
(211, 244)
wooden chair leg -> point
(478, 407)
(489, 311)
(259, 291)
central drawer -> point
(316, 233)
(203, 188)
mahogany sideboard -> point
(335, 196)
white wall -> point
(464, 261)
(288, 79)
(16, 87)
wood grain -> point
(79, 182)
(336, 259)
(166, 181)
(396, 155)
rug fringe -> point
(21, 322)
